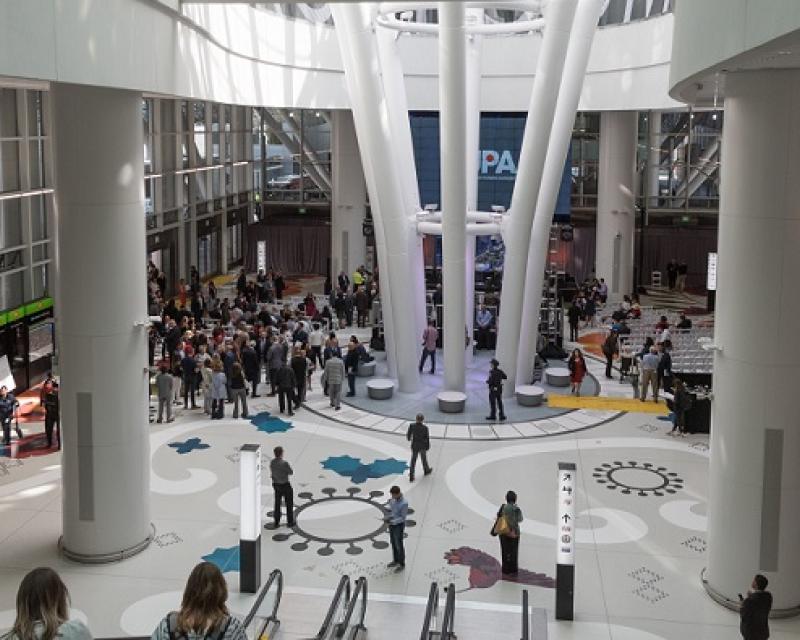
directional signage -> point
(566, 513)
(565, 541)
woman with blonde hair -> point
(203, 614)
(43, 610)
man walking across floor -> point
(396, 518)
(281, 470)
(429, 338)
(419, 436)
(650, 373)
(495, 384)
(754, 610)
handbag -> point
(501, 526)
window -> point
(39, 208)
(10, 223)
(9, 166)
(36, 114)
(8, 113)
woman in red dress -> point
(577, 370)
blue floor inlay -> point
(358, 472)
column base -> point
(733, 605)
(106, 558)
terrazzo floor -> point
(640, 547)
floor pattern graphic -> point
(359, 472)
(192, 444)
(642, 479)
(354, 544)
(485, 570)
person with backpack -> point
(204, 613)
(419, 436)
(681, 403)
(506, 527)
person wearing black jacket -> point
(574, 316)
(351, 359)
(664, 369)
(251, 364)
(286, 384)
(8, 403)
(51, 421)
(754, 610)
(279, 285)
(300, 368)
(419, 437)
(495, 384)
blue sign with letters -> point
(500, 144)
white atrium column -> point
(580, 45)
(349, 197)
(99, 170)
(529, 177)
(754, 478)
(473, 101)
(616, 213)
(453, 126)
(370, 114)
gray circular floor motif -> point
(643, 479)
(305, 536)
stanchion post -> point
(250, 518)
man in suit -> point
(419, 437)
(754, 610)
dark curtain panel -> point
(291, 249)
(684, 244)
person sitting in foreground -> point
(43, 610)
(203, 614)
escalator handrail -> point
(449, 616)
(526, 633)
(430, 611)
(342, 588)
(276, 578)
(359, 593)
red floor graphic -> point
(31, 445)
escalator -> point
(347, 612)
(438, 626)
(261, 623)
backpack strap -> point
(220, 631)
(172, 625)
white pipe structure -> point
(453, 124)
(472, 216)
(544, 96)
(586, 16)
(403, 152)
(370, 114)
(472, 229)
(473, 102)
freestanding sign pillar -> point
(250, 518)
(565, 541)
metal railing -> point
(274, 581)
(526, 617)
(340, 602)
(350, 627)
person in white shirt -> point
(315, 340)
